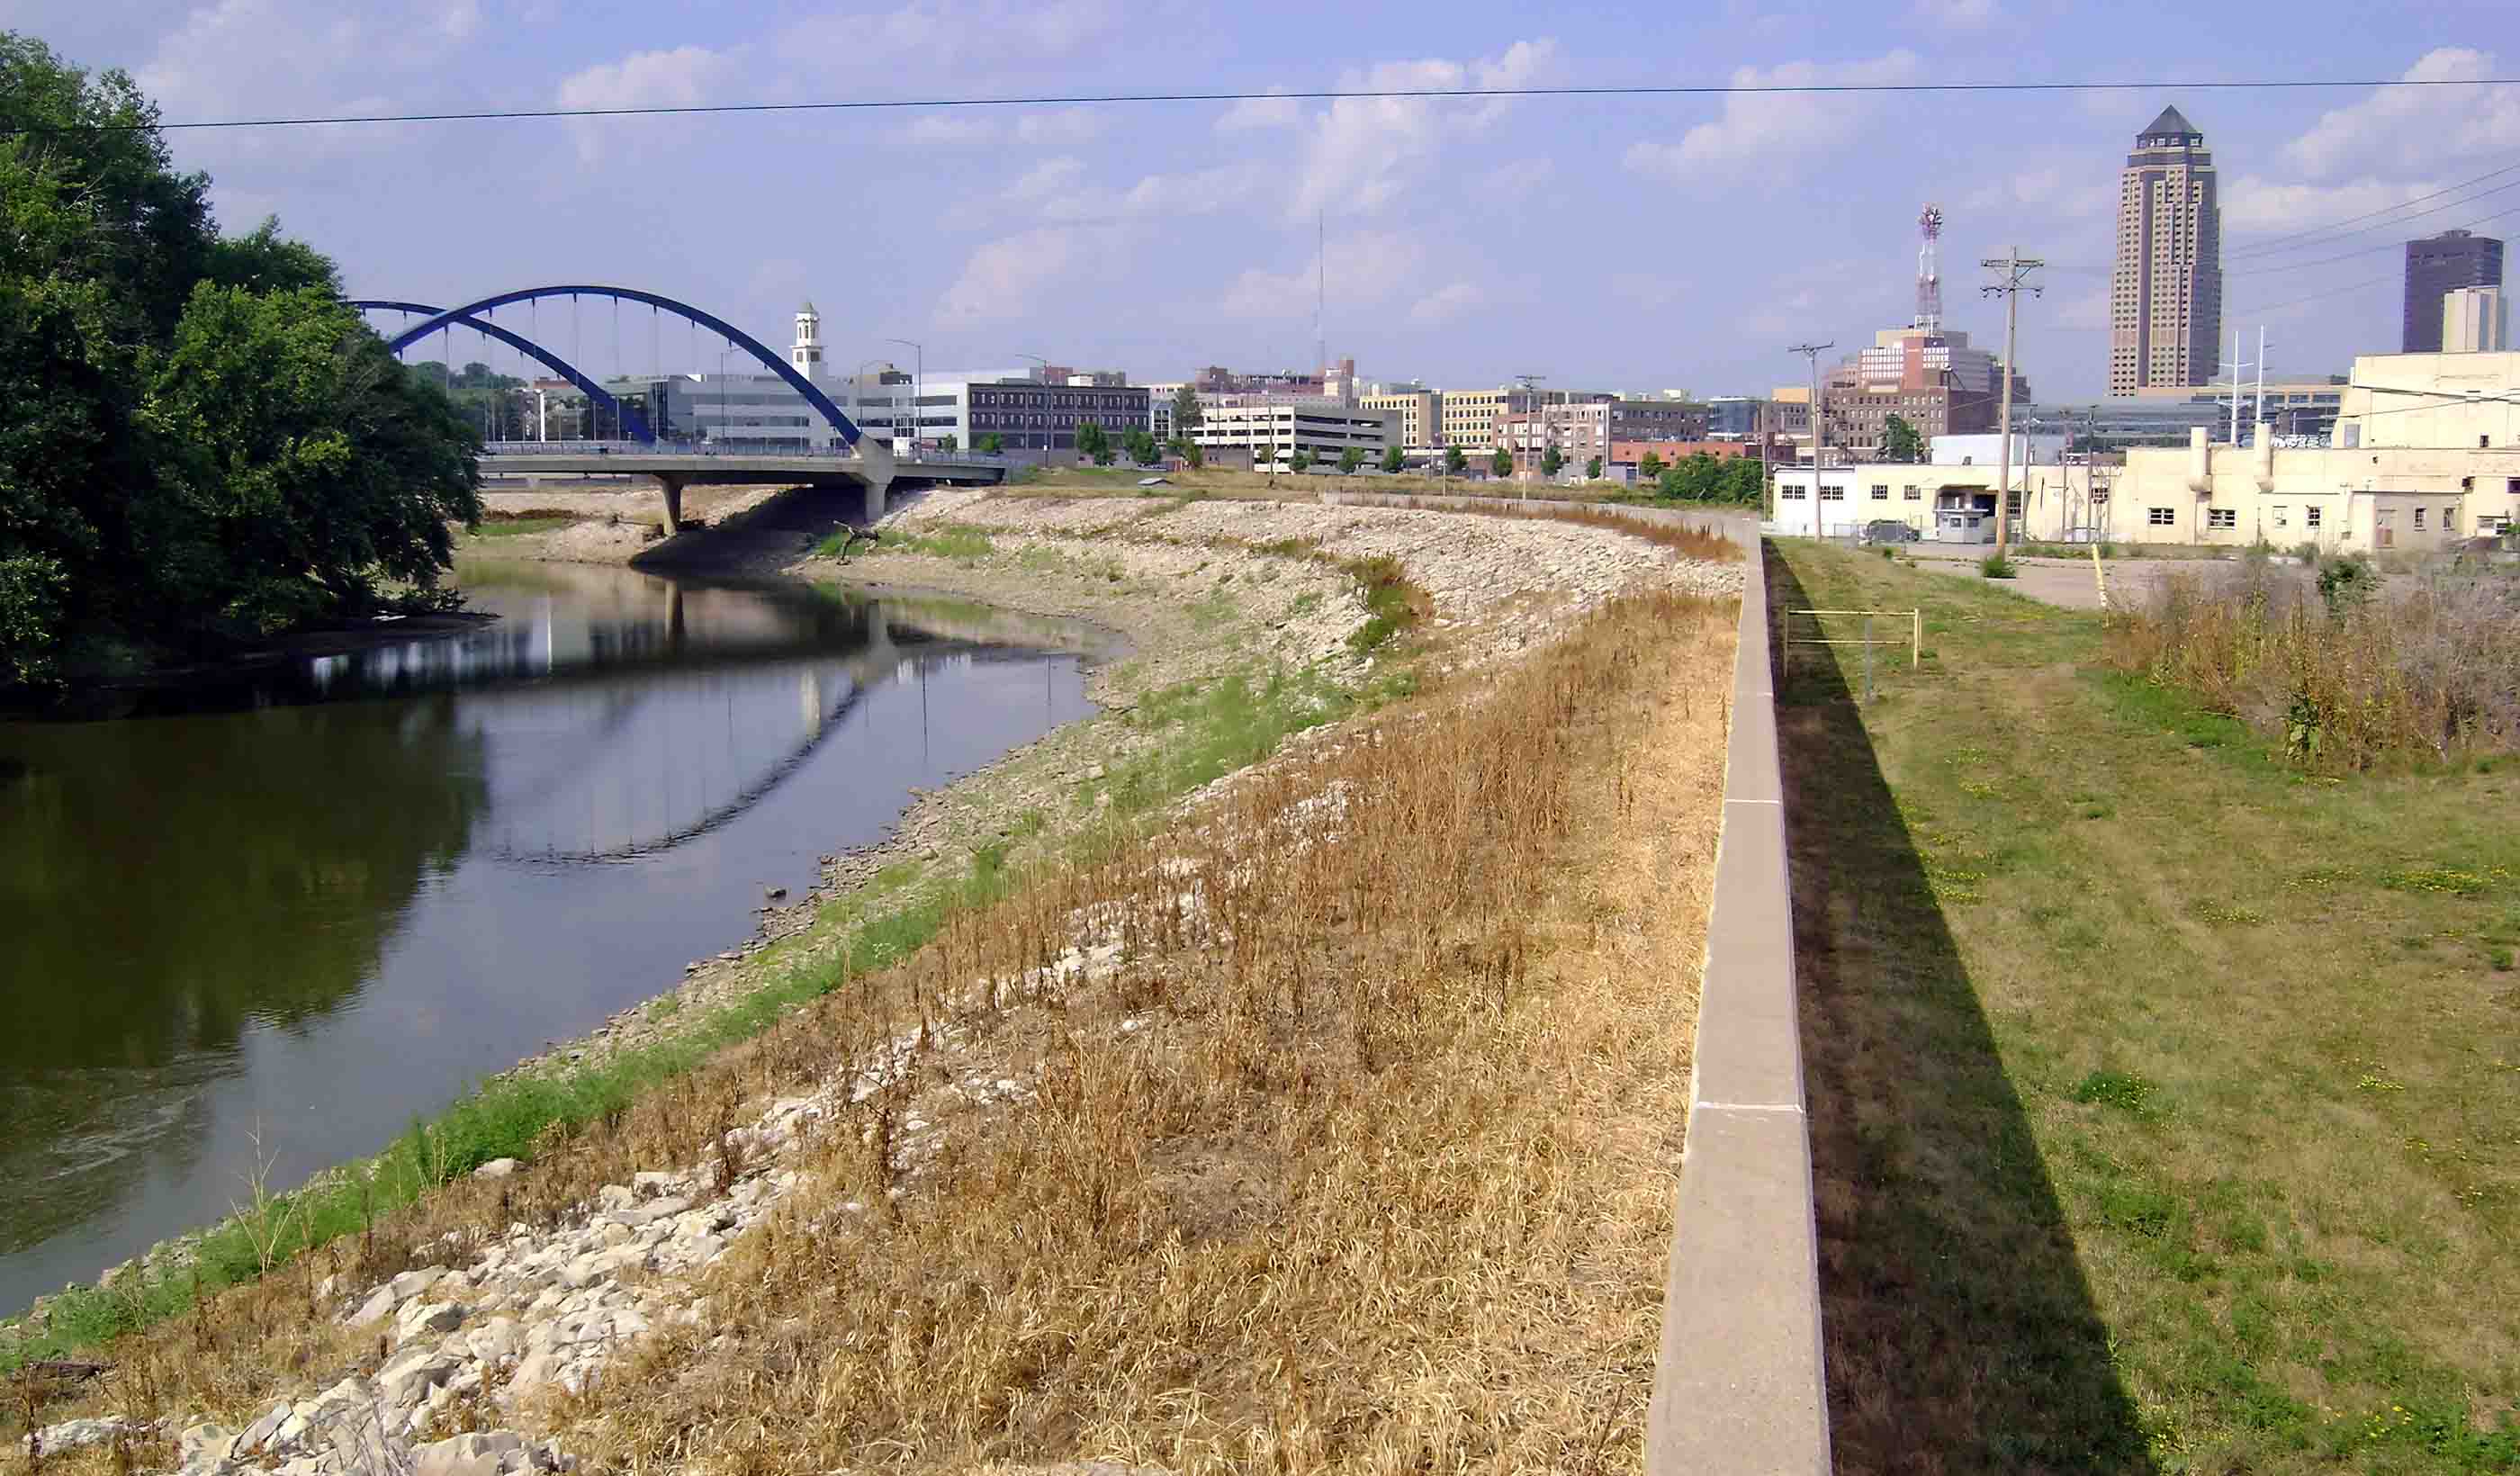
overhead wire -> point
(2385, 225)
(2274, 244)
(1090, 99)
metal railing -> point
(717, 448)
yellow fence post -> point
(1915, 638)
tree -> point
(1454, 463)
(202, 441)
(1593, 470)
(948, 442)
(992, 444)
(1501, 464)
(1393, 461)
(1744, 483)
(1093, 441)
(1650, 467)
(1191, 454)
(1299, 460)
(1552, 462)
(1351, 459)
(1900, 441)
(1187, 415)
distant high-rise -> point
(2166, 296)
(2437, 267)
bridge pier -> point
(672, 483)
(875, 483)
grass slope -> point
(2164, 1099)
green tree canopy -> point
(1900, 441)
(992, 443)
(1141, 446)
(1455, 462)
(1593, 470)
(1502, 463)
(1649, 467)
(1091, 440)
(1393, 459)
(1187, 415)
(1351, 459)
(201, 440)
(1552, 462)
(1299, 460)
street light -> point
(917, 387)
(858, 391)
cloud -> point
(1006, 278)
(2076, 191)
(1252, 113)
(1446, 303)
(1360, 154)
(1514, 179)
(1363, 271)
(1049, 178)
(678, 78)
(1760, 129)
(2253, 205)
(973, 35)
(2415, 127)
(965, 128)
(952, 129)
(1958, 15)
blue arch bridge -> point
(854, 460)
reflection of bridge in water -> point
(710, 747)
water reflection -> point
(328, 895)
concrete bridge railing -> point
(1740, 1384)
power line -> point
(2274, 242)
(2272, 307)
(2386, 246)
(1087, 99)
(2386, 225)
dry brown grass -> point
(2428, 673)
(1379, 1179)
(1690, 543)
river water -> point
(305, 906)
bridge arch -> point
(629, 418)
(823, 403)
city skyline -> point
(1616, 243)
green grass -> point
(518, 528)
(2140, 1141)
(944, 541)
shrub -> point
(2343, 677)
(1997, 566)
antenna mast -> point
(1320, 295)
(1929, 270)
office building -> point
(1421, 412)
(2166, 294)
(2475, 320)
(1276, 426)
(2436, 267)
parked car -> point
(1889, 530)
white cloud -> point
(2076, 191)
(460, 18)
(1446, 303)
(951, 128)
(1360, 153)
(1005, 278)
(1758, 129)
(678, 78)
(1049, 178)
(968, 126)
(968, 34)
(2257, 206)
(1516, 178)
(2415, 127)
(1064, 125)
(1363, 270)
(1253, 113)
(1958, 15)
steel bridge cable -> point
(1316, 95)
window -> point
(2309, 517)
(2161, 517)
(1832, 494)
(1908, 493)
(2282, 515)
(2419, 520)
(1789, 492)
(2449, 519)
(1880, 491)
(2221, 517)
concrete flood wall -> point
(1739, 1385)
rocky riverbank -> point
(466, 1364)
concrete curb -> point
(1739, 1385)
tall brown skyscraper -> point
(2437, 266)
(2166, 296)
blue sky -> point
(1639, 245)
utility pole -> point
(1812, 352)
(2017, 269)
(1537, 416)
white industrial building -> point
(1276, 426)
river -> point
(279, 914)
